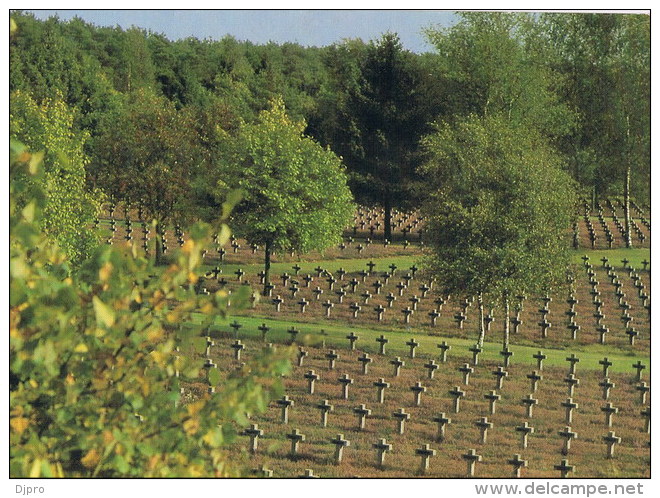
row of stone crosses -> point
(401, 416)
(339, 285)
(609, 236)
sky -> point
(306, 27)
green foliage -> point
(500, 218)
(147, 152)
(70, 208)
(95, 367)
(295, 193)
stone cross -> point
(382, 447)
(434, 314)
(459, 318)
(365, 359)
(539, 357)
(303, 304)
(401, 287)
(457, 394)
(301, 356)
(611, 440)
(328, 305)
(425, 452)
(285, 403)
(499, 374)
(525, 430)
(415, 301)
(431, 366)
(444, 347)
(406, 314)
(529, 403)
(398, 363)
(442, 420)
(236, 326)
(545, 325)
(254, 432)
(471, 458)
(332, 357)
(390, 299)
(483, 424)
(345, 381)
(296, 437)
(263, 328)
(632, 333)
(517, 463)
(646, 413)
(567, 435)
(475, 350)
(379, 310)
(609, 410)
(308, 279)
(209, 343)
(492, 397)
(340, 295)
(639, 366)
(366, 295)
(535, 377)
(564, 468)
(573, 360)
(602, 330)
(317, 293)
(572, 381)
(606, 366)
(466, 370)
(238, 346)
(606, 384)
(507, 354)
(643, 389)
(570, 405)
(417, 390)
(340, 443)
(277, 301)
(352, 339)
(355, 308)
(362, 412)
(382, 340)
(412, 344)
(381, 385)
(311, 377)
(325, 408)
(293, 332)
(516, 322)
(401, 416)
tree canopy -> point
(295, 196)
(499, 211)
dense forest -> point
(583, 80)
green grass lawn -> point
(635, 256)
(334, 335)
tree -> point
(379, 117)
(70, 207)
(492, 64)
(604, 60)
(146, 153)
(97, 358)
(499, 214)
(295, 196)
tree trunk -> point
(626, 208)
(267, 266)
(387, 206)
(505, 299)
(482, 327)
(158, 257)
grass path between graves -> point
(334, 335)
(635, 257)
